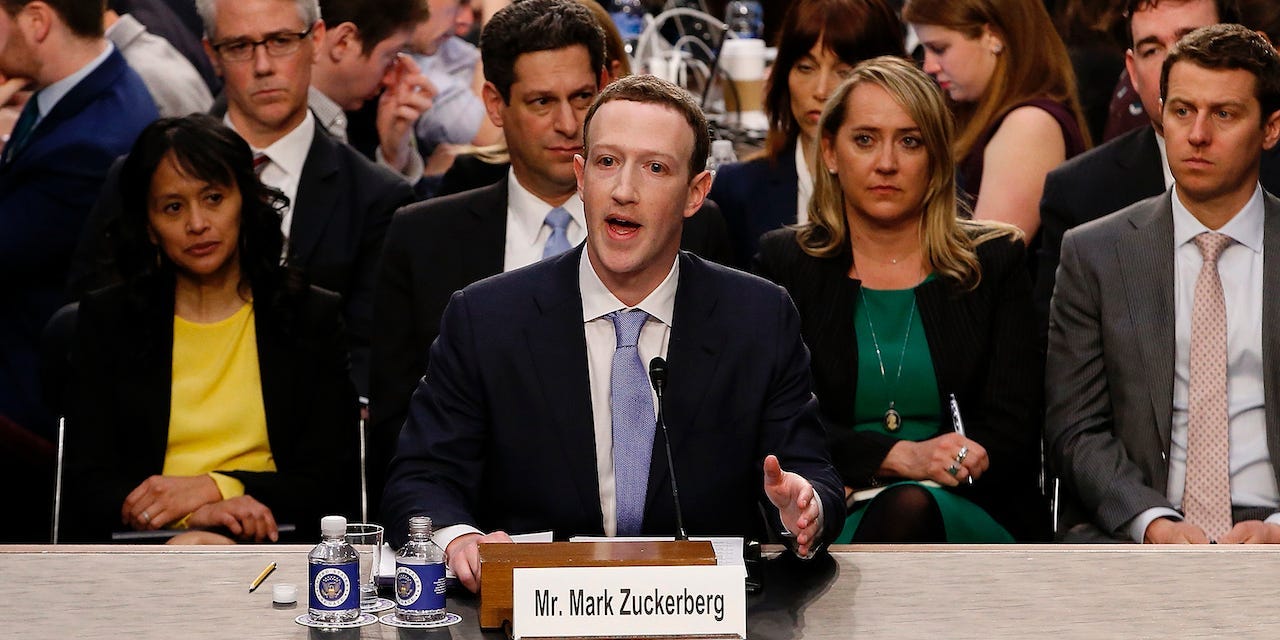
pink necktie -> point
(1207, 498)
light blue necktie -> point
(558, 219)
(633, 422)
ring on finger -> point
(146, 517)
(964, 452)
(953, 469)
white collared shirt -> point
(48, 97)
(804, 185)
(288, 154)
(1240, 267)
(527, 233)
(597, 301)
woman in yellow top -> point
(212, 388)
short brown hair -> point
(1229, 47)
(649, 89)
(1226, 12)
(82, 17)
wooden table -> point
(935, 592)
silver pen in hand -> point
(957, 423)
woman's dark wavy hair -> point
(204, 149)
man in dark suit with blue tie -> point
(536, 411)
(87, 109)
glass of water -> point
(367, 539)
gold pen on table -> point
(958, 424)
(257, 582)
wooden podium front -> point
(497, 560)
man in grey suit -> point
(1161, 382)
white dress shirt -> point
(527, 233)
(598, 301)
(287, 156)
(1164, 162)
(1240, 267)
(804, 185)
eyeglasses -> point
(277, 45)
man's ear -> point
(1271, 130)
(493, 103)
(36, 20)
(699, 187)
(340, 42)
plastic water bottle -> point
(334, 593)
(420, 582)
(628, 17)
(745, 18)
(721, 154)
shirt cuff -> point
(1273, 519)
(443, 537)
(229, 487)
(413, 169)
(1138, 526)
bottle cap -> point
(284, 593)
(333, 525)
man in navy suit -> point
(87, 109)
(535, 413)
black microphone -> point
(658, 376)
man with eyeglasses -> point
(87, 108)
(340, 202)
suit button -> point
(1164, 456)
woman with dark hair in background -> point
(1014, 93)
(904, 306)
(819, 43)
(211, 386)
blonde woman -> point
(904, 305)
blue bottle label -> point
(420, 587)
(335, 586)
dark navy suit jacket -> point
(756, 197)
(500, 433)
(46, 190)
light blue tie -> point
(558, 219)
(633, 422)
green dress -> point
(892, 318)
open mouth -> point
(621, 227)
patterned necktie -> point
(1207, 498)
(260, 162)
(558, 219)
(22, 129)
(633, 422)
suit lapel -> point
(1146, 267)
(75, 101)
(1270, 341)
(558, 347)
(489, 211)
(692, 347)
(152, 364)
(318, 194)
(1140, 159)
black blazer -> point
(501, 435)
(1100, 181)
(343, 207)
(437, 247)
(983, 345)
(756, 197)
(119, 423)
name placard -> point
(629, 601)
